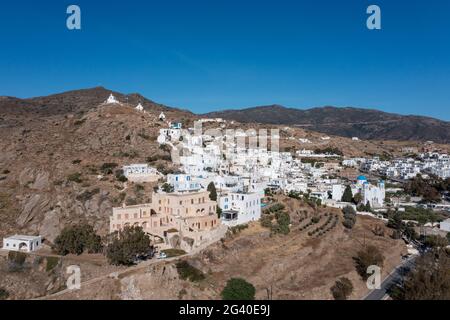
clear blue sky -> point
(215, 54)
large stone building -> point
(179, 220)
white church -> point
(112, 100)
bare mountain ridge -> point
(75, 102)
(347, 122)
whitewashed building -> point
(183, 183)
(240, 208)
(140, 108)
(22, 243)
(141, 173)
(112, 100)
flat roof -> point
(22, 238)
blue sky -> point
(215, 54)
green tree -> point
(428, 280)
(283, 222)
(77, 239)
(127, 245)
(238, 289)
(369, 256)
(436, 241)
(212, 191)
(349, 217)
(395, 222)
(348, 195)
(168, 188)
(342, 289)
(357, 198)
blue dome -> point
(362, 178)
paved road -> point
(392, 278)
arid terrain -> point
(57, 162)
(295, 266)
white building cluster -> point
(242, 172)
(406, 168)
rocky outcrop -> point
(32, 208)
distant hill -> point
(76, 102)
(346, 122)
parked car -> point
(162, 255)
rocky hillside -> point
(347, 122)
(60, 155)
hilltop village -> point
(165, 191)
(225, 176)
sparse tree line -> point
(124, 247)
(235, 288)
(276, 219)
(429, 189)
(367, 256)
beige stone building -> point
(179, 220)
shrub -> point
(188, 272)
(239, 228)
(127, 245)
(16, 261)
(283, 222)
(168, 188)
(342, 289)
(435, 241)
(266, 221)
(238, 289)
(315, 220)
(52, 262)
(4, 294)
(369, 256)
(77, 239)
(107, 168)
(166, 148)
(131, 202)
(120, 176)
(378, 231)
(75, 177)
(277, 207)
